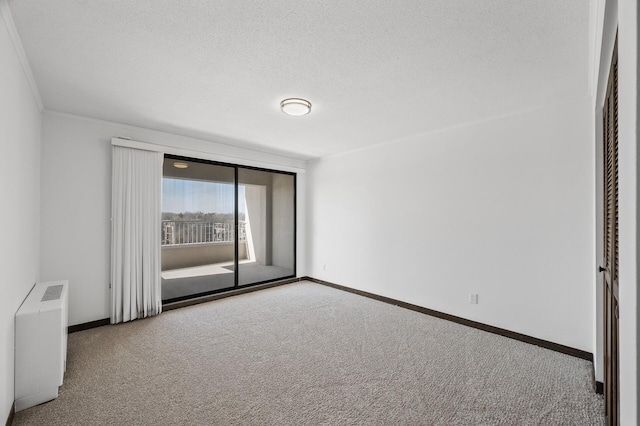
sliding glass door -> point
(224, 226)
(198, 228)
(268, 204)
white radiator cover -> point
(41, 344)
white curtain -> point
(135, 234)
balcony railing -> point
(195, 232)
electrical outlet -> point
(324, 267)
(473, 298)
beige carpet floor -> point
(306, 354)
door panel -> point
(198, 228)
(267, 201)
(610, 261)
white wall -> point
(76, 202)
(503, 208)
(20, 130)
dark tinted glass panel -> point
(198, 228)
(266, 208)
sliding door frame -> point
(237, 167)
(236, 227)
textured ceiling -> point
(374, 70)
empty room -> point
(302, 213)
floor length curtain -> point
(135, 234)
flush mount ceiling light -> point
(295, 106)
(180, 165)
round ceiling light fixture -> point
(295, 106)
(180, 165)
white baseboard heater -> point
(41, 344)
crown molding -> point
(242, 156)
(5, 11)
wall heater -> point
(41, 344)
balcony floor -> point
(203, 279)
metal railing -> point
(195, 232)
